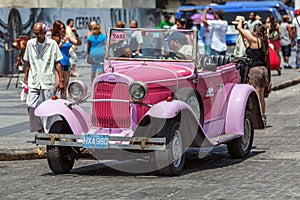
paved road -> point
(271, 172)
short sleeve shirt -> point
(295, 24)
(42, 64)
(97, 45)
(186, 50)
(219, 28)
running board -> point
(224, 138)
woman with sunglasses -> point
(65, 43)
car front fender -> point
(78, 120)
(242, 97)
(155, 119)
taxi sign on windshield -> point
(118, 36)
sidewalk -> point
(16, 142)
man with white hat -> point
(239, 49)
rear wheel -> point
(59, 158)
(241, 147)
(171, 161)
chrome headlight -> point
(138, 90)
(77, 90)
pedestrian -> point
(166, 24)
(259, 73)
(239, 49)
(296, 35)
(207, 37)
(120, 24)
(64, 42)
(72, 33)
(96, 50)
(219, 27)
(286, 38)
(90, 26)
(42, 56)
(182, 23)
(253, 20)
(174, 27)
(273, 33)
(200, 30)
(136, 39)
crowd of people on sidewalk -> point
(254, 39)
(282, 36)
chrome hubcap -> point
(177, 149)
(247, 135)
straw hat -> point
(239, 18)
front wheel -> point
(171, 161)
(240, 147)
(59, 160)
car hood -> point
(152, 72)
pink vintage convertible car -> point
(155, 105)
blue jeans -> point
(214, 52)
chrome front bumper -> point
(132, 143)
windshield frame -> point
(108, 50)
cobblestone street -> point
(271, 172)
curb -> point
(22, 154)
(286, 84)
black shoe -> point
(288, 67)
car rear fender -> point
(78, 120)
(242, 97)
(155, 119)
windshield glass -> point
(151, 44)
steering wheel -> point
(175, 55)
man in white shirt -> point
(296, 33)
(219, 27)
(42, 56)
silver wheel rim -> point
(194, 103)
(177, 149)
(247, 135)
